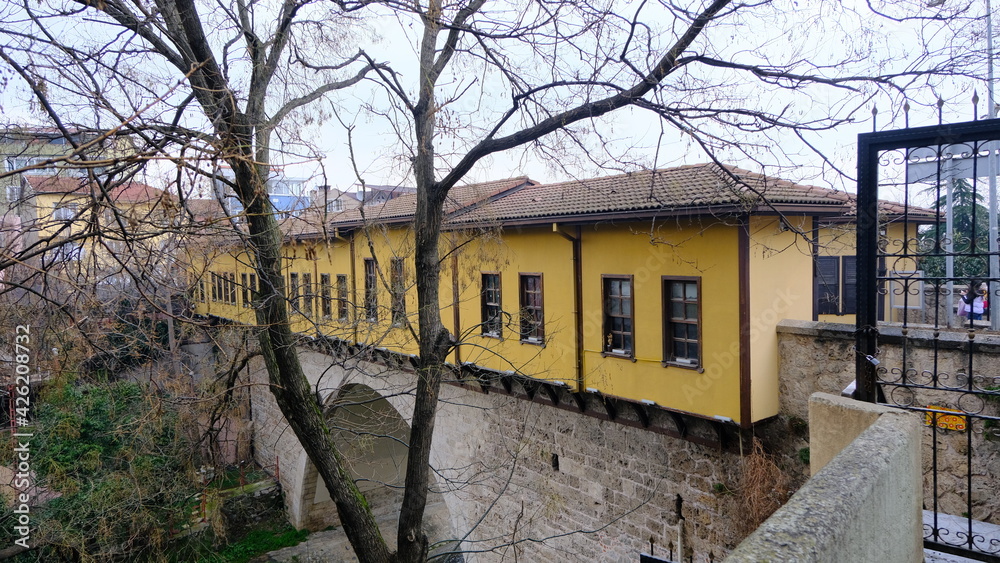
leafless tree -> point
(196, 83)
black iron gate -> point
(933, 349)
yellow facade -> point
(677, 311)
(706, 253)
(838, 240)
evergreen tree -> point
(970, 236)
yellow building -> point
(661, 289)
(95, 235)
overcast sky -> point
(820, 31)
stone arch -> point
(372, 436)
(370, 406)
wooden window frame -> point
(232, 287)
(606, 347)
(397, 289)
(535, 334)
(307, 294)
(245, 289)
(670, 321)
(843, 290)
(325, 297)
(293, 290)
(487, 307)
(371, 290)
(343, 311)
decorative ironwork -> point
(924, 291)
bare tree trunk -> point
(289, 384)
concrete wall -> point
(863, 504)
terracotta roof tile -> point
(131, 192)
(693, 186)
(684, 188)
(404, 207)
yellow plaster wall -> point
(333, 257)
(708, 251)
(781, 287)
(840, 240)
(511, 253)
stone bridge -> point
(511, 474)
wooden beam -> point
(642, 412)
(610, 407)
(552, 392)
(679, 422)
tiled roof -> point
(303, 223)
(404, 207)
(56, 184)
(684, 187)
(135, 192)
(131, 192)
(692, 189)
(706, 188)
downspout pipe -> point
(576, 241)
(354, 290)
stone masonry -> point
(517, 476)
(820, 357)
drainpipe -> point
(456, 311)
(354, 291)
(577, 298)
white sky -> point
(816, 29)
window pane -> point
(691, 291)
(677, 310)
(626, 288)
(681, 329)
(691, 311)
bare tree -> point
(197, 82)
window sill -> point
(618, 354)
(493, 335)
(683, 365)
(534, 341)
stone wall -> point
(867, 492)
(820, 357)
(517, 476)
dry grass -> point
(762, 489)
